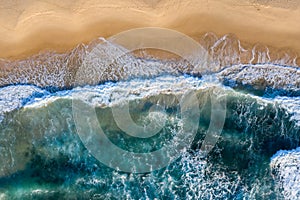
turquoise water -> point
(44, 157)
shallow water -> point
(44, 156)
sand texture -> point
(29, 26)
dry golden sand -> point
(29, 26)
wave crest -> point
(51, 69)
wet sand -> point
(28, 27)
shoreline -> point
(61, 26)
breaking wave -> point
(43, 158)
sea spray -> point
(58, 71)
(39, 145)
(42, 156)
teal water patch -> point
(43, 157)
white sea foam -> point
(261, 76)
(114, 93)
(286, 164)
(3, 196)
(286, 167)
(99, 58)
(14, 97)
(136, 79)
(194, 166)
(292, 105)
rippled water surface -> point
(43, 157)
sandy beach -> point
(89, 112)
(27, 27)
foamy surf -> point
(252, 122)
(42, 152)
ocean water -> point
(48, 116)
